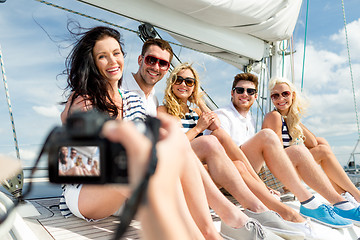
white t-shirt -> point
(239, 128)
(150, 103)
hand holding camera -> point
(82, 134)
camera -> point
(77, 153)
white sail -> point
(235, 31)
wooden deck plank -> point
(61, 228)
(75, 228)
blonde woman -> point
(285, 120)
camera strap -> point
(138, 196)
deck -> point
(50, 224)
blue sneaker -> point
(325, 214)
(352, 214)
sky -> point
(35, 42)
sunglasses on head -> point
(285, 94)
(152, 61)
(188, 81)
(241, 90)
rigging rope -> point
(283, 57)
(303, 66)
(292, 59)
(15, 184)
(9, 104)
(351, 73)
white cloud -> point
(353, 30)
(52, 111)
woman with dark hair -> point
(94, 68)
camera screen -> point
(79, 161)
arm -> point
(310, 138)
(79, 104)
(162, 210)
(204, 108)
(204, 122)
(273, 121)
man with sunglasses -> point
(235, 118)
(154, 63)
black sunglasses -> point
(241, 90)
(284, 94)
(152, 61)
(188, 81)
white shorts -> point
(71, 195)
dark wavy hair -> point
(84, 79)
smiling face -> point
(109, 59)
(242, 102)
(182, 91)
(151, 74)
(282, 97)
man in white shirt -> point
(154, 62)
(265, 147)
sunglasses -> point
(241, 90)
(275, 96)
(152, 61)
(188, 81)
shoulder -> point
(133, 108)
(273, 116)
(126, 93)
(225, 112)
(162, 108)
(272, 120)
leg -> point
(265, 146)
(261, 191)
(209, 151)
(194, 192)
(311, 173)
(227, 211)
(324, 156)
(164, 208)
(252, 180)
(233, 151)
(167, 207)
(97, 201)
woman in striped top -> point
(285, 120)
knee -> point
(210, 143)
(268, 136)
(298, 154)
(324, 150)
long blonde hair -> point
(173, 103)
(296, 110)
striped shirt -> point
(190, 121)
(286, 138)
(133, 110)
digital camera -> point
(77, 153)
